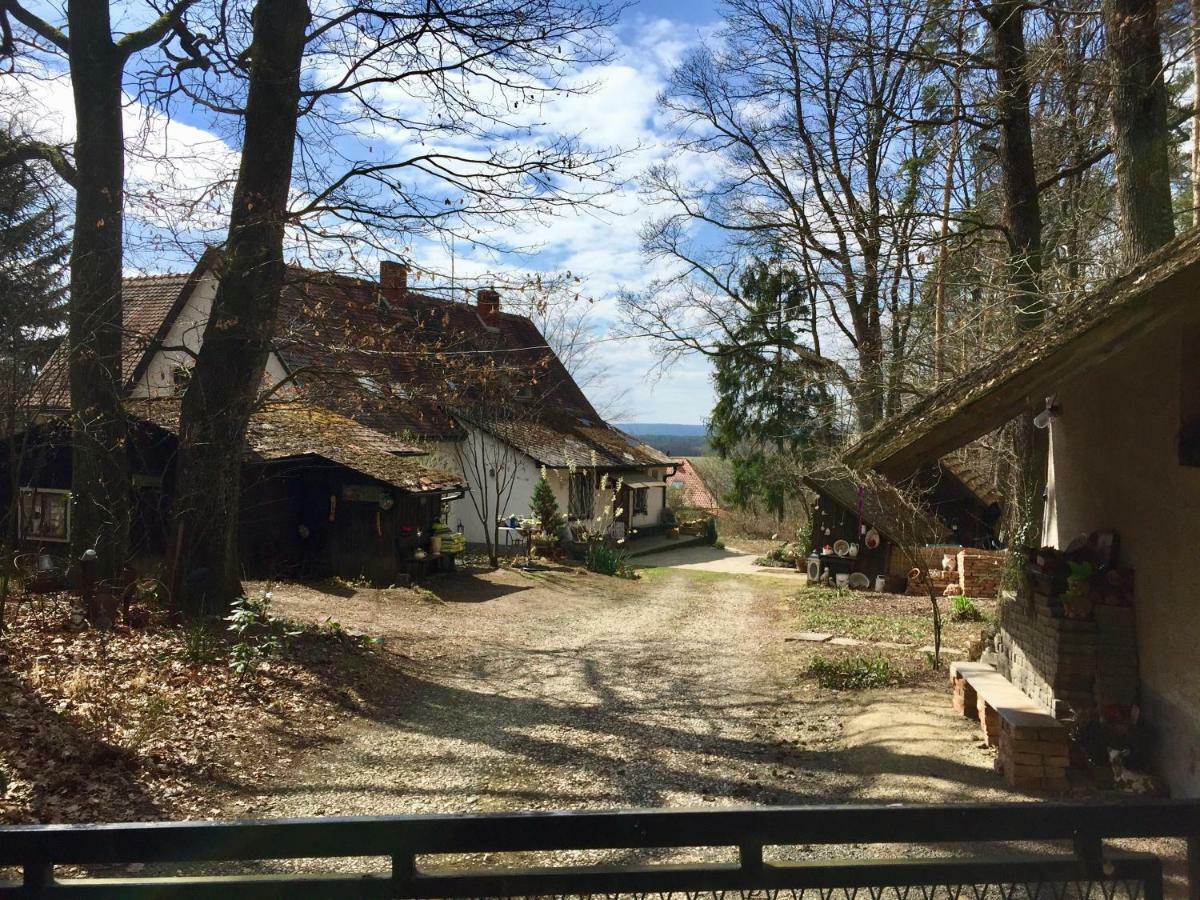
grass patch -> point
(868, 618)
(853, 673)
(662, 573)
(966, 611)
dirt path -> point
(577, 691)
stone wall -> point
(1069, 664)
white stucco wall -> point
(188, 331)
(466, 510)
(1114, 465)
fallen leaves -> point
(121, 726)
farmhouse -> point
(419, 410)
(479, 386)
(1117, 382)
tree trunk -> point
(237, 339)
(1022, 212)
(1196, 113)
(100, 483)
(1023, 227)
(1140, 134)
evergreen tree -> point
(544, 507)
(33, 257)
(771, 412)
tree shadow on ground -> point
(469, 587)
(57, 771)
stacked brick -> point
(966, 573)
(1116, 683)
(1032, 749)
(989, 722)
(1033, 757)
(941, 580)
(980, 572)
(1075, 653)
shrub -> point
(710, 531)
(257, 633)
(966, 611)
(853, 672)
(604, 559)
(199, 643)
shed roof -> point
(291, 430)
(1161, 289)
(882, 507)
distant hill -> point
(641, 428)
(673, 439)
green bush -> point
(605, 560)
(257, 633)
(853, 672)
(966, 611)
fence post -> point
(1193, 866)
(750, 857)
(36, 876)
(404, 870)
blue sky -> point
(600, 246)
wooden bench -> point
(1032, 746)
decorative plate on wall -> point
(872, 539)
(841, 548)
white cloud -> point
(171, 216)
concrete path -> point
(709, 559)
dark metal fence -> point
(1078, 864)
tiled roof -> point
(290, 430)
(146, 302)
(695, 491)
(403, 365)
(560, 441)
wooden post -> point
(1193, 866)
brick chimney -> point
(393, 280)
(488, 302)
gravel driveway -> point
(572, 690)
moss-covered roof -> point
(1162, 288)
(289, 430)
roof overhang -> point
(1162, 290)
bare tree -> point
(489, 463)
(801, 114)
(423, 71)
(95, 167)
(223, 390)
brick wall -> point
(1083, 663)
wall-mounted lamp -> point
(1049, 414)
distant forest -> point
(676, 440)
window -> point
(581, 498)
(677, 484)
(180, 376)
(45, 515)
(641, 501)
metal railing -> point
(1078, 865)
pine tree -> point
(33, 258)
(544, 507)
(771, 412)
